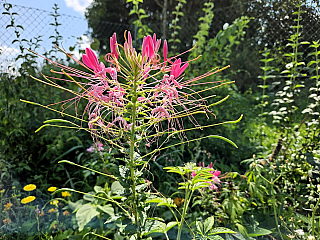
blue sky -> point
(70, 7)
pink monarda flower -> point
(144, 82)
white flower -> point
(289, 65)
(299, 232)
(225, 26)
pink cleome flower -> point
(156, 100)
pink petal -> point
(165, 50)
(87, 62)
(129, 39)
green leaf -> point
(208, 224)
(116, 187)
(200, 227)
(85, 214)
(26, 226)
(132, 12)
(263, 86)
(106, 209)
(298, 86)
(259, 232)
(98, 189)
(220, 230)
(215, 237)
(162, 202)
(57, 120)
(170, 225)
(154, 227)
(223, 138)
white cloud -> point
(78, 5)
(8, 53)
(82, 45)
(7, 60)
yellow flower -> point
(6, 221)
(65, 213)
(65, 194)
(52, 189)
(7, 206)
(2, 191)
(178, 201)
(30, 187)
(28, 199)
(51, 210)
(41, 214)
(54, 202)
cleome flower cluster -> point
(134, 93)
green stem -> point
(37, 217)
(313, 215)
(273, 198)
(274, 209)
(132, 162)
(187, 198)
(293, 73)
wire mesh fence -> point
(26, 27)
(270, 26)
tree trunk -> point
(164, 20)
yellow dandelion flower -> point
(7, 206)
(2, 191)
(52, 189)
(54, 202)
(30, 187)
(66, 213)
(51, 210)
(65, 194)
(28, 199)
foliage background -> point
(225, 38)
